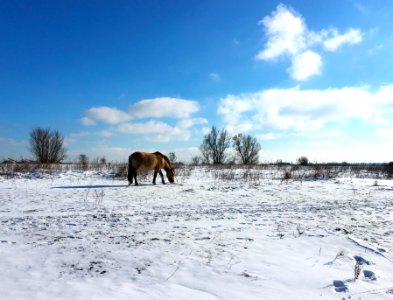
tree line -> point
(47, 147)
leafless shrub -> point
(287, 175)
(196, 160)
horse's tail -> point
(131, 170)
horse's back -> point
(143, 160)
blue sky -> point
(307, 78)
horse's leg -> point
(154, 177)
(130, 171)
(162, 176)
(136, 182)
(130, 175)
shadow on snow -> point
(90, 186)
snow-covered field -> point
(80, 235)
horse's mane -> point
(163, 156)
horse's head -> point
(170, 173)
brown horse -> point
(149, 161)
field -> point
(217, 233)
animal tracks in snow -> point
(202, 233)
(340, 286)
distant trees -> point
(47, 146)
(103, 160)
(83, 161)
(302, 160)
(247, 148)
(214, 145)
(389, 169)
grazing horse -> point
(149, 161)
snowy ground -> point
(88, 236)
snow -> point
(86, 235)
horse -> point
(149, 161)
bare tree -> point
(214, 146)
(247, 148)
(47, 146)
(205, 151)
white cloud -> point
(335, 133)
(352, 37)
(385, 133)
(142, 128)
(74, 137)
(12, 142)
(297, 110)
(104, 114)
(163, 107)
(148, 108)
(287, 35)
(188, 123)
(305, 65)
(105, 133)
(206, 130)
(155, 131)
(272, 136)
(214, 76)
(286, 31)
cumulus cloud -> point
(105, 133)
(288, 36)
(148, 108)
(352, 37)
(297, 110)
(163, 107)
(286, 33)
(214, 76)
(163, 132)
(188, 123)
(305, 65)
(12, 142)
(385, 133)
(104, 114)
